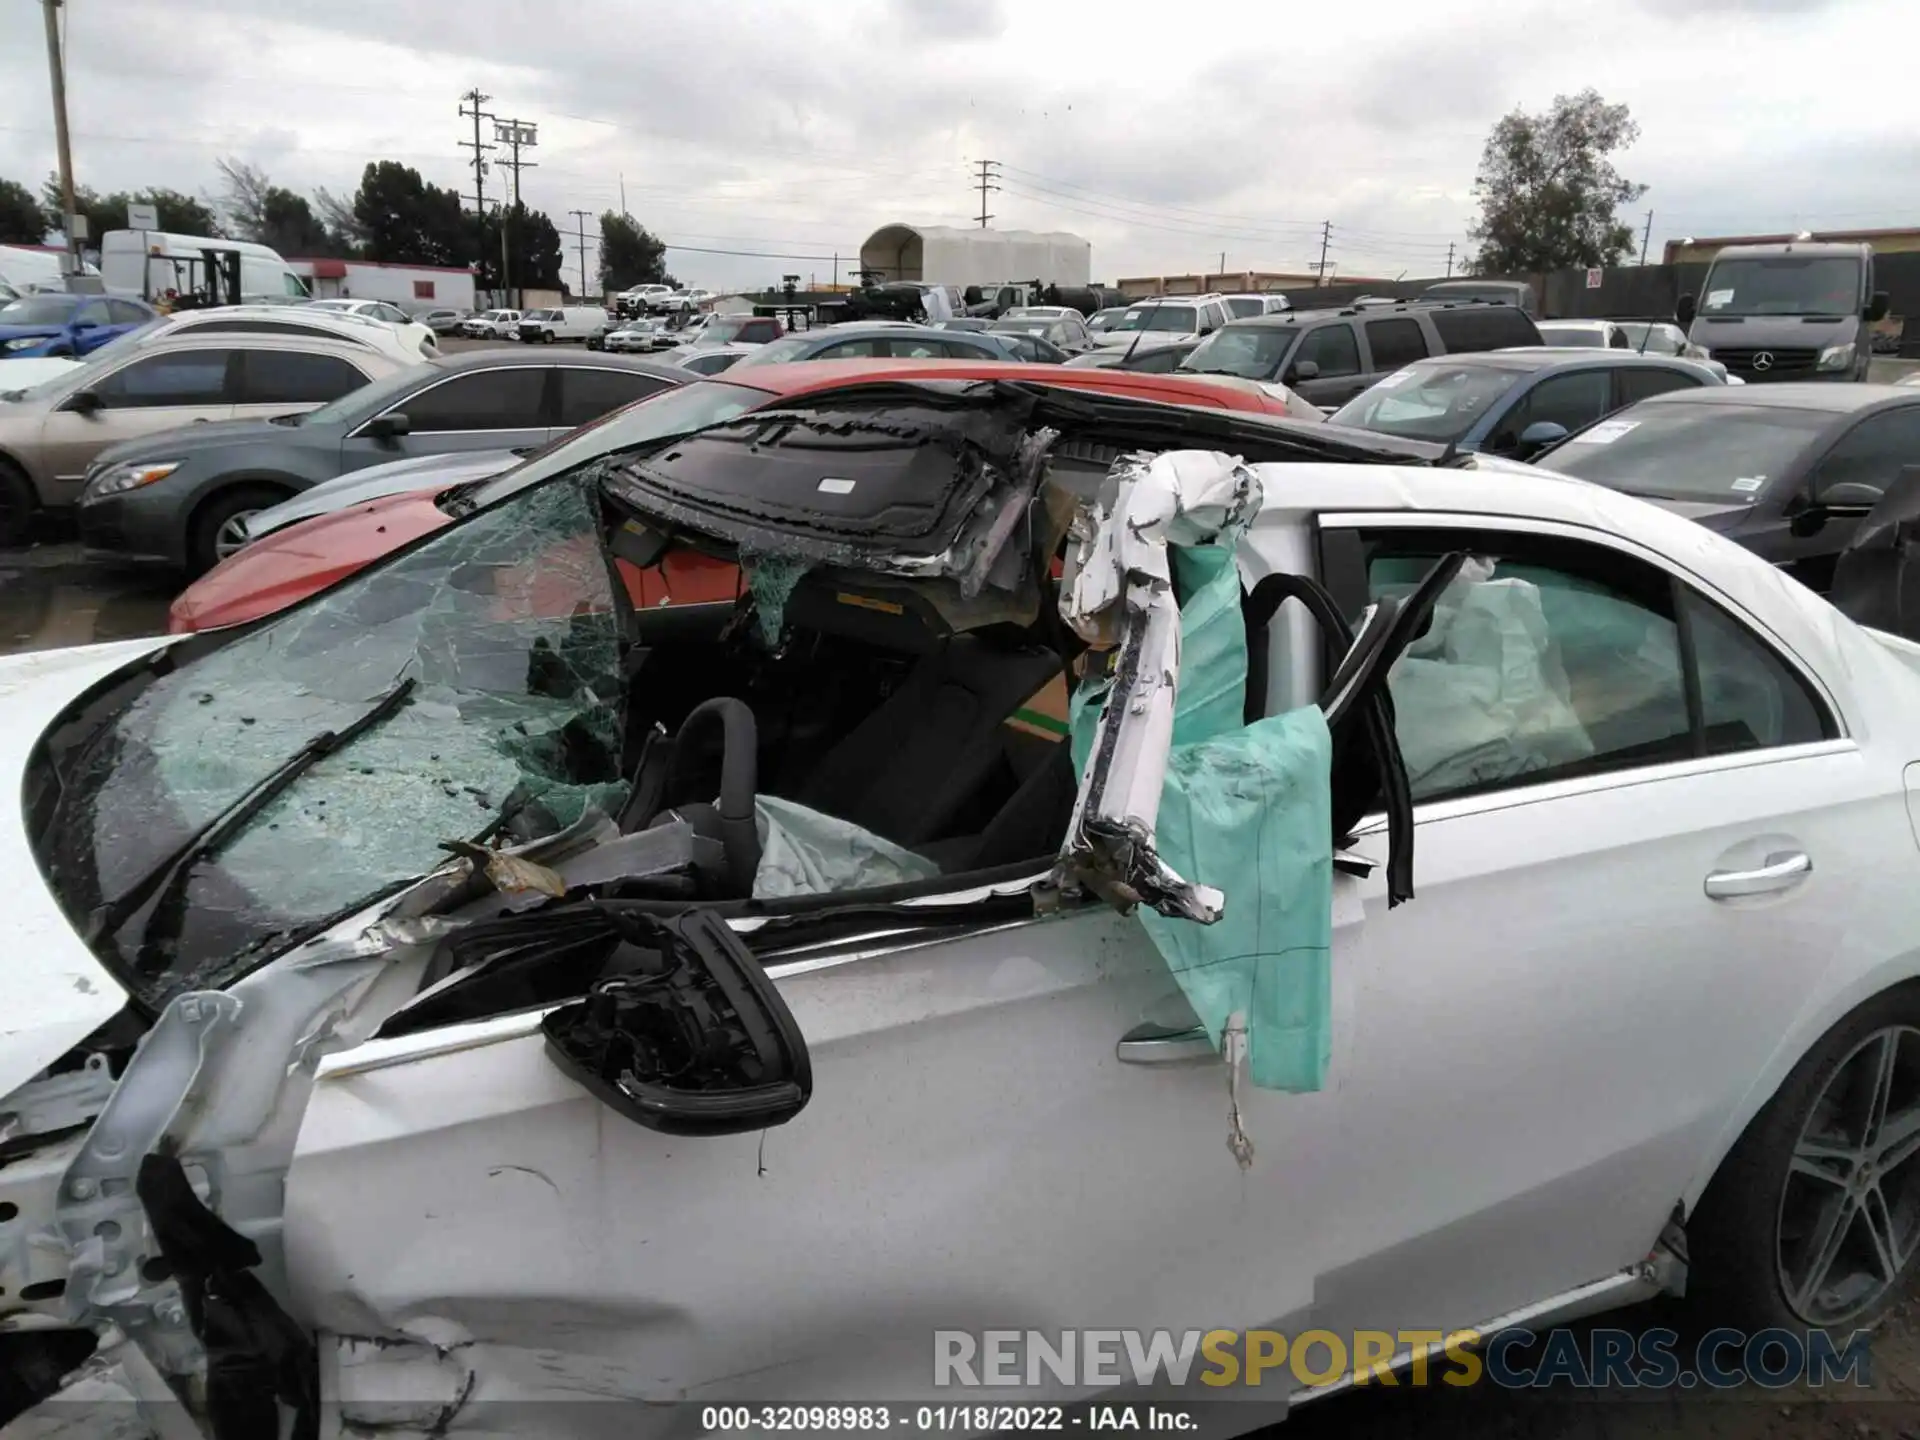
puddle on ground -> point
(50, 598)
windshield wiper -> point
(108, 919)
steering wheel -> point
(730, 818)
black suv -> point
(1330, 356)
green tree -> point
(536, 259)
(181, 214)
(255, 209)
(1549, 194)
(629, 254)
(407, 221)
(21, 222)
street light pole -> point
(56, 68)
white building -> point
(411, 287)
(949, 255)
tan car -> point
(49, 433)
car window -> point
(490, 400)
(586, 395)
(1548, 659)
(1570, 401)
(125, 312)
(1331, 347)
(1395, 343)
(847, 349)
(1245, 307)
(1637, 382)
(94, 312)
(759, 331)
(289, 377)
(917, 348)
(1483, 327)
(185, 377)
(1872, 452)
(1749, 697)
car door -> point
(1553, 1033)
(92, 326)
(285, 382)
(1338, 376)
(1872, 452)
(506, 408)
(145, 394)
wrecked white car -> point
(465, 998)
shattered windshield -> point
(1429, 402)
(507, 625)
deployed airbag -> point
(1243, 810)
(805, 852)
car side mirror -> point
(1877, 306)
(1684, 309)
(389, 427)
(1849, 497)
(1303, 370)
(83, 402)
(1540, 434)
(689, 1037)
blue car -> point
(69, 325)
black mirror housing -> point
(1876, 307)
(1684, 310)
(1849, 497)
(683, 1032)
(389, 427)
(1304, 370)
(83, 402)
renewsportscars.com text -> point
(1313, 1359)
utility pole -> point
(1326, 235)
(836, 270)
(623, 194)
(580, 225)
(70, 222)
(474, 98)
(516, 135)
(1646, 236)
(1222, 271)
(1449, 259)
(989, 172)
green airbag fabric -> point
(1247, 809)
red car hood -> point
(288, 566)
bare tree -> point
(243, 198)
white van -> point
(569, 322)
(27, 270)
(145, 264)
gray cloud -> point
(798, 127)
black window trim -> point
(1337, 547)
(549, 397)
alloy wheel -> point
(1849, 1218)
(232, 534)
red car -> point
(288, 566)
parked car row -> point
(254, 994)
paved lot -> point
(49, 597)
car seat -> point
(908, 771)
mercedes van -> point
(1793, 311)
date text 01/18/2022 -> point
(966, 1419)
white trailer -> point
(948, 255)
(411, 287)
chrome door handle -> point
(1781, 872)
(1151, 1044)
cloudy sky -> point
(1164, 134)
